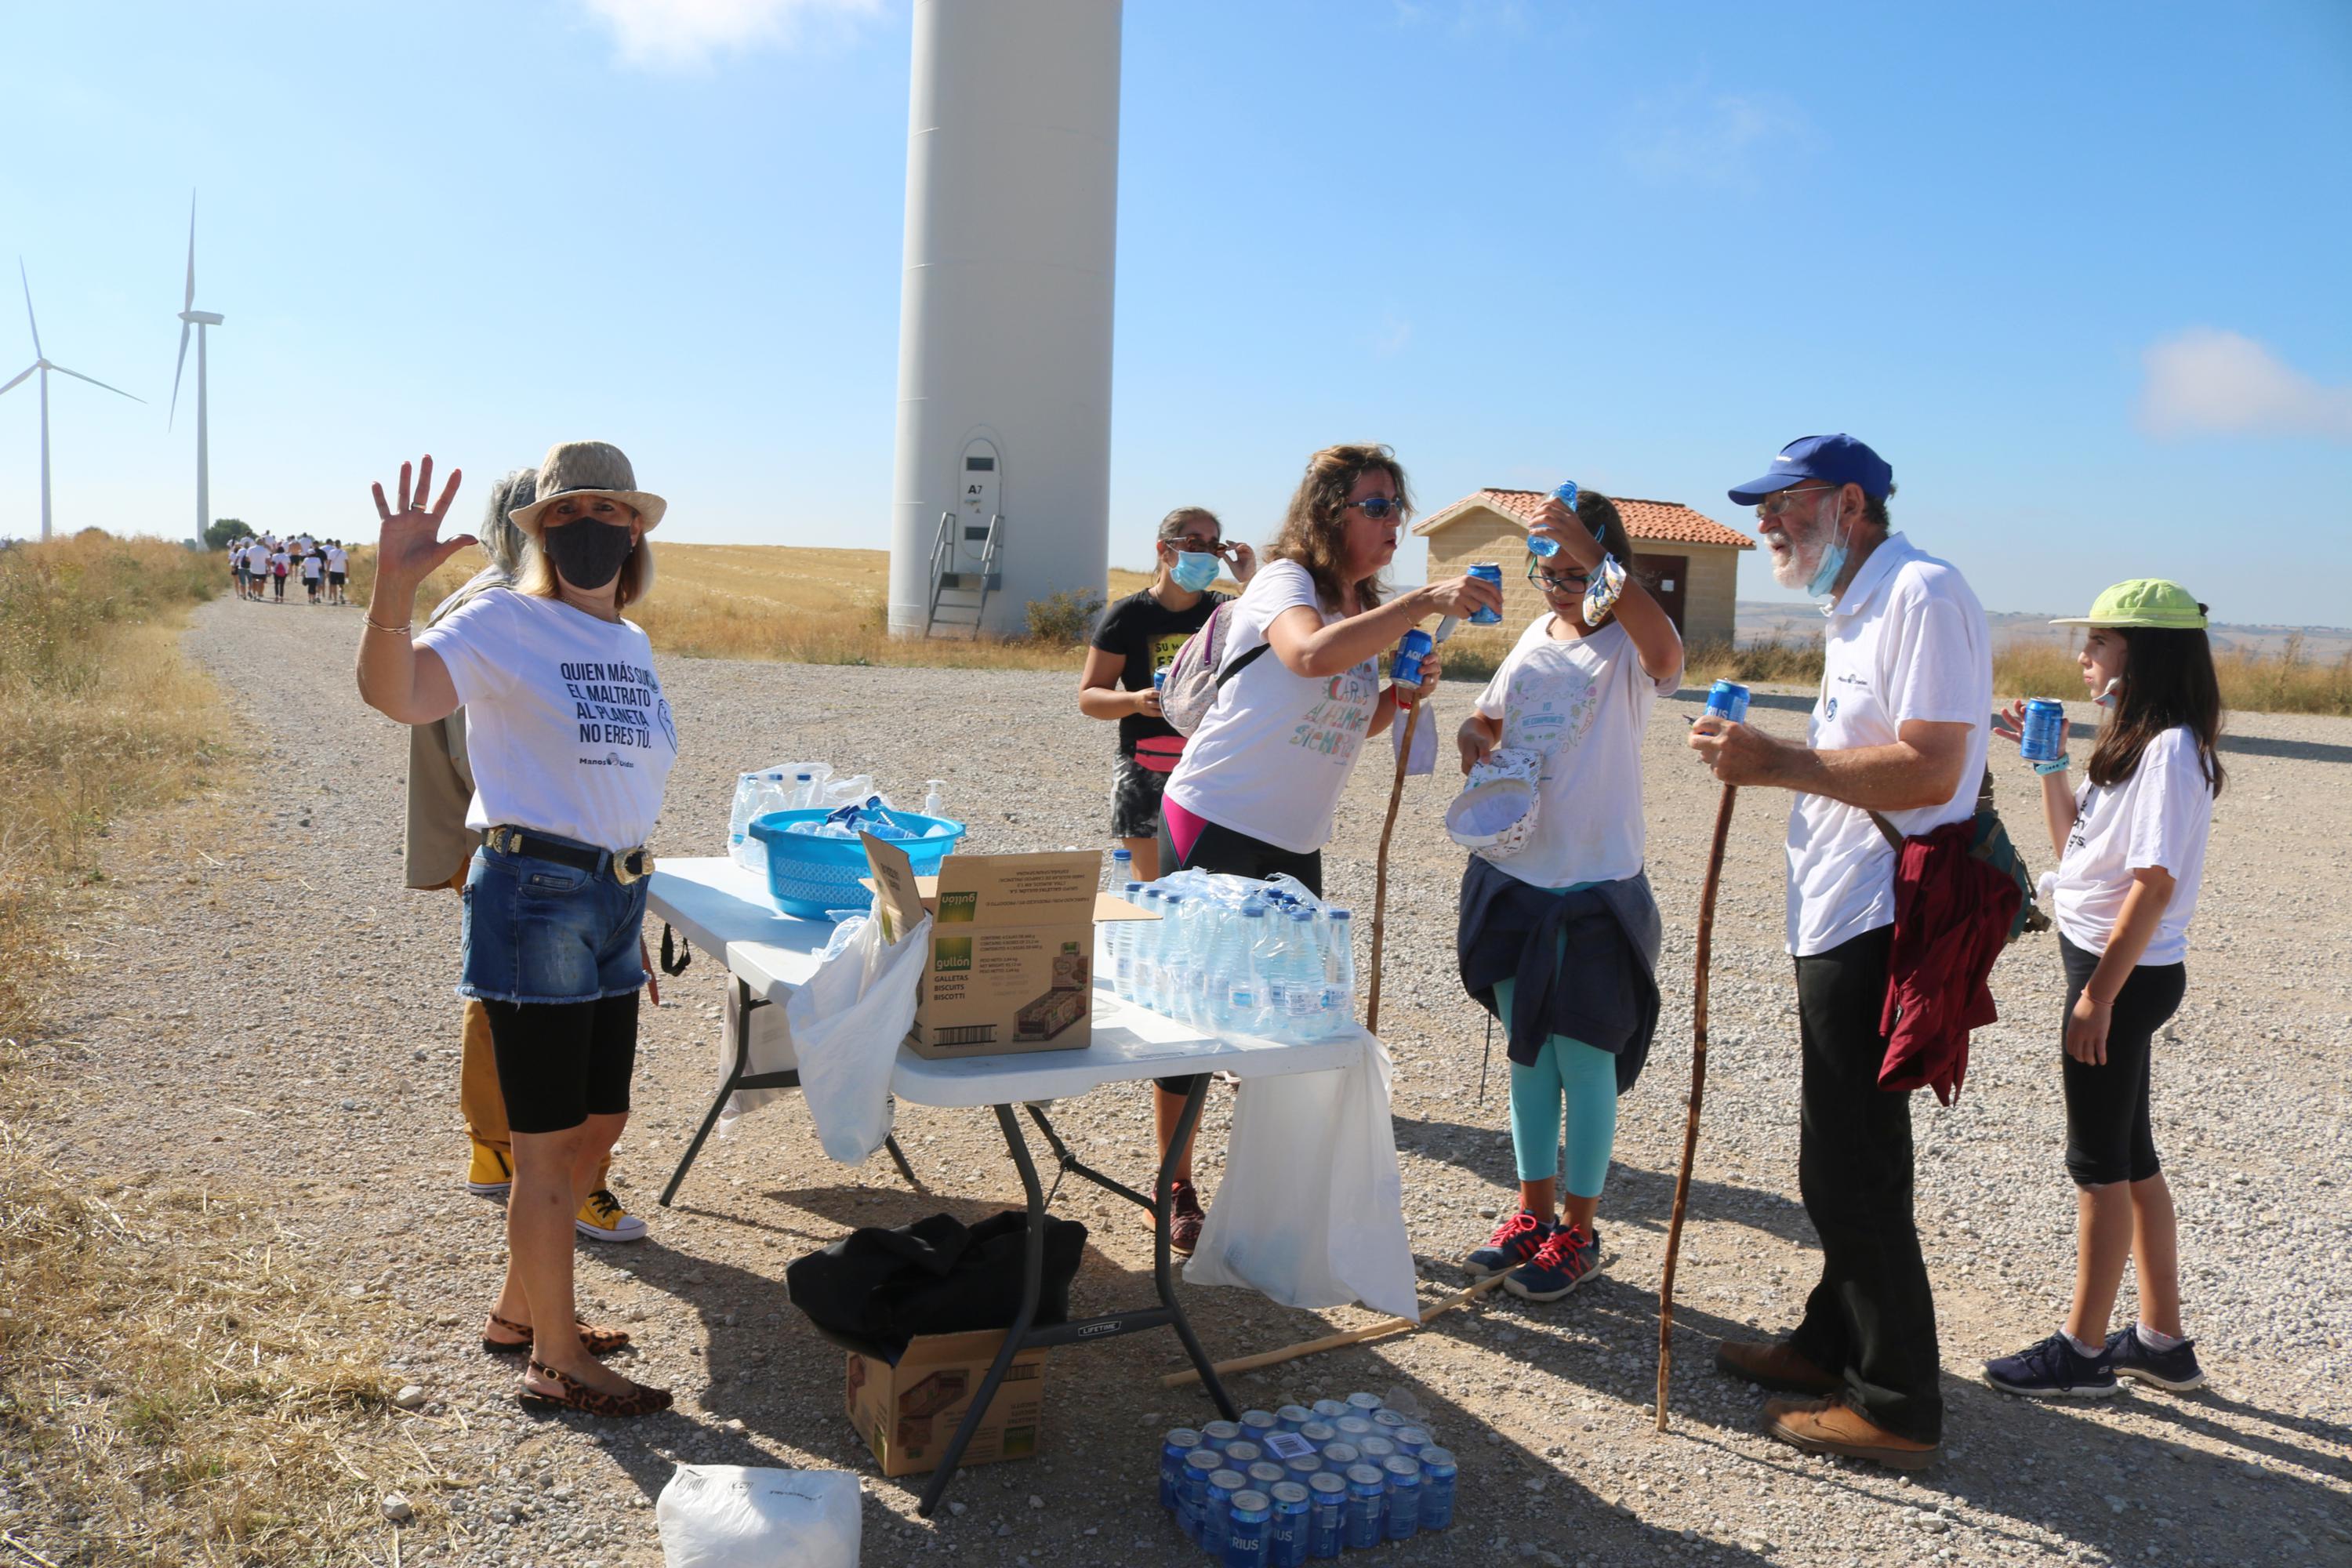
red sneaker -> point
(1514, 1242)
(1185, 1218)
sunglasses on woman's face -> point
(1569, 582)
(1189, 546)
(1377, 507)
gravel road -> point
(268, 1010)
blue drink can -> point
(1487, 571)
(1354, 1428)
(1410, 1440)
(1412, 648)
(1321, 1432)
(1287, 1532)
(1299, 1469)
(1245, 1529)
(1389, 1420)
(1545, 548)
(1266, 1475)
(1217, 1512)
(1328, 1409)
(1339, 1456)
(1217, 1434)
(1377, 1450)
(1293, 1417)
(2045, 731)
(1326, 1509)
(1241, 1454)
(1366, 1506)
(1363, 1403)
(1728, 700)
(1437, 1476)
(1193, 1491)
(1180, 1441)
(1159, 678)
(1400, 1513)
(1256, 1424)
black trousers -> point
(1872, 1317)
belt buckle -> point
(624, 873)
(502, 841)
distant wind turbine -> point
(192, 317)
(41, 362)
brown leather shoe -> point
(1834, 1426)
(1774, 1366)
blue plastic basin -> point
(811, 877)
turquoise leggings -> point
(1587, 1078)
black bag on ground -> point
(937, 1276)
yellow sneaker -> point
(602, 1218)
(491, 1173)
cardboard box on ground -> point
(908, 1412)
(1012, 941)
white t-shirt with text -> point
(1274, 750)
(566, 726)
(1908, 641)
(1580, 704)
(2157, 817)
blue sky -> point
(2077, 271)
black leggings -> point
(561, 1062)
(2108, 1136)
(1223, 850)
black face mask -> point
(587, 553)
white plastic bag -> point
(1425, 738)
(736, 1516)
(1311, 1209)
(847, 1023)
(771, 1051)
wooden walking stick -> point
(1380, 868)
(1698, 1092)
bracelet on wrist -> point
(374, 625)
(2057, 766)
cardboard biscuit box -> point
(1012, 941)
(908, 1412)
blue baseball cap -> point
(1837, 460)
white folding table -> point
(726, 909)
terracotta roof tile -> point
(1651, 522)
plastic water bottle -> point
(1437, 1475)
(932, 804)
(1202, 919)
(1144, 962)
(1238, 996)
(804, 791)
(1339, 973)
(1122, 861)
(739, 819)
(1120, 940)
(1302, 977)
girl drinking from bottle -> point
(2131, 842)
(1559, 939)
(1257, 790)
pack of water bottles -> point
(1280, 1488)
(1231, 955)
(805, 786)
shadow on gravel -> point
(2195, 1412)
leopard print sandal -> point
(594, 1341)
(638, 1401)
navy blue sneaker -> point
(1514, 1242)
(2175, 1369)
(2054, 1369)
(1559, 1265)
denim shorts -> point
(539, 931)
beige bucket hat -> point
(587, 469)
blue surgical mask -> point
(1194, 571)
(1825, 575)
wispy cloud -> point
(2207, 382)
(1722, 139)
(1394, 333)
(684, 34)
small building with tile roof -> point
(1687, 560)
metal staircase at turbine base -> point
(959, 600)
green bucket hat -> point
(2143, 602)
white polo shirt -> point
(1908, 641)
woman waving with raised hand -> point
(571, 743)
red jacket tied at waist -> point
(1952, 915)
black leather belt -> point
(626, 866)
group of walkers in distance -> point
(1558, 938)
(543, 837)
(259, 565)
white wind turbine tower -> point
(192, 317)
(41, 362)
